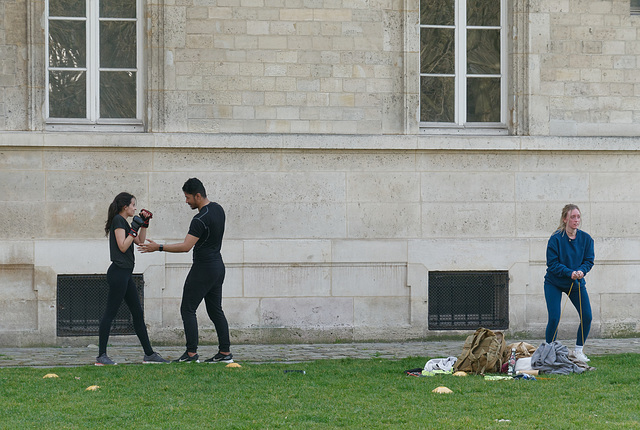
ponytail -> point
(119, 202)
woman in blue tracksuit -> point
(569, 258)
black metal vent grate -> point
(468, 300)
(81, 301)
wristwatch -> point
(161, 247)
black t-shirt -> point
(124, 260)
(208, 227)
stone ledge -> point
(314, 142)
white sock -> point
(578, 348)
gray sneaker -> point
(104, 360)
(154, 358)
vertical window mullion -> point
(503, 62)
(461, 62)
(93, 95)
(139, 60)
(47, 97)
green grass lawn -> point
(357, 394)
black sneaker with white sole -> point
(186, 358)
(220, 358)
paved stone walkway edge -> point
(286, 353)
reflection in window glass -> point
(118, 44)
(437, 52)
(483, 100)
(437, 12)
(93, 48)
(437, 102)
(461, 62)
(483, 52)
(485, 13)
(67, 94)
(62, 8)
(117, 8)
(117, 95)
(67, 43)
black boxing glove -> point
(146, 216)
(136, 223)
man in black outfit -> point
(206, 276)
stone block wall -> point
(347, 67)
(321, 244)
(267, 67)
(301, 119)
(586, 79)
(13, 65)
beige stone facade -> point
(301, 119)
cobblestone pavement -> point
(291, 353)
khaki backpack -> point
(483, 352)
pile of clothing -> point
(551, 357)
(554, 357)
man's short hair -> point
(193, 186)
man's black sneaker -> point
(154, 358)
(220, 358)
(186, 358)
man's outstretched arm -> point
(185, 246)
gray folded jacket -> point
(554, 358)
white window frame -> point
(460, 125)
(92, 69)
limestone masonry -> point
(302, 120)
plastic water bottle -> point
(512, 362)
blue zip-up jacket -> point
(565, 256)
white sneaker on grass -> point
(580, 356)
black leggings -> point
(122, 287)
(204, 281)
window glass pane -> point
(437, 50)
(117, 95)
(67, 94)
(483, 12)
(67, 44)
(118, 44)
(437, 12)
(67, 8)
(483, 100)
(117, 8)
(483, 52)
(437, 99)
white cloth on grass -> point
(445, 364)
